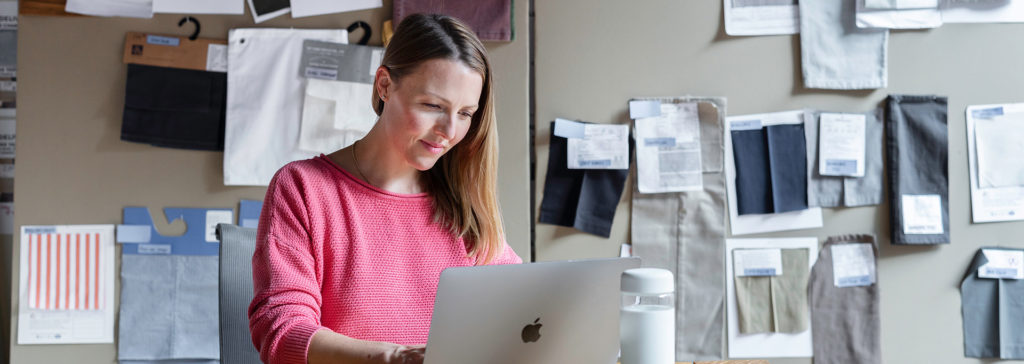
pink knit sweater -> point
(334, 252)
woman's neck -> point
(379, 165)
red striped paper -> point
(64, 271)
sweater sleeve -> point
(507, 256)
(286, 270)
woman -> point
(351, 245)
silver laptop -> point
(552, 312)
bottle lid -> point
(648, 281)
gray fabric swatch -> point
(685, 233)
(778, 303)
(834, 191)
(993, 313)
(845, 321)
(835, 53)
(168, 308)
(917, 155)
(236, 248)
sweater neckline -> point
(367, 185)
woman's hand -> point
(401, 354)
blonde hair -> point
(463, 183)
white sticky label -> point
(375, 58)
(853, 265)
(1002, 264)
(841, 145)
(602, 147)
(922, 214)
(217, 58)
(6, 170)
(644, 109)
(757, 262)
(155, 249)
(214, 217)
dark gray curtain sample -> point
(584, 199)
(917, 159)
(174, 108)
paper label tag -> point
(570, 129)
(7, 138)
(9, 86)
(644, 109)
(1002, 264)
(375, 59)
(757, 262)
(602, 147)
(214, 217)
(164, 41)
(6, 170)
(136, 234)
(841, 144)
(155, 249)
(625, 251)
(922, 214)
(987, 113)
(217, 58)
(659, 142)
(669, 156)
(853, 265)
(745, 125)
(338, 61)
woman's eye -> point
(433, 106)
(466, 114)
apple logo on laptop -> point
(531, 332)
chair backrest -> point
(236, 248)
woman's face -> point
(428, 111)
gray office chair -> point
(236, 247)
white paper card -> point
(668, 153)
(772, 344)
(994, 131)
(1002, 264)
(901, 4)
(853, 265)
(626, 251)
(761, 20)
(199, 6)
(922, 214)
(569, 129)
(214, 217)
(7, 137)
(841, 144)
(217, 57)
(302, 8)
(62, 318)
(982, 11)
(757, 262)
(762, 223)
(602, 147)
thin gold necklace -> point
(356, 162)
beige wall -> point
(591, 59)
(74, 169)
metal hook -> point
(366, 31)
(195, 34)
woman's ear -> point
(383, 82)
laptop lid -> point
(549, 312)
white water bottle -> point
(647, 318)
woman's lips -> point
(432, 147)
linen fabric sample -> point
(584, 199)
(328, 104)
(775, 303)
(264, 101)
(845, 321)
(835, 53)
(993, 310)
(787, 158)
(491, 20)
(835, 191)
(169, 308)
(174, 108)
(684, 232)
(917, 156)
